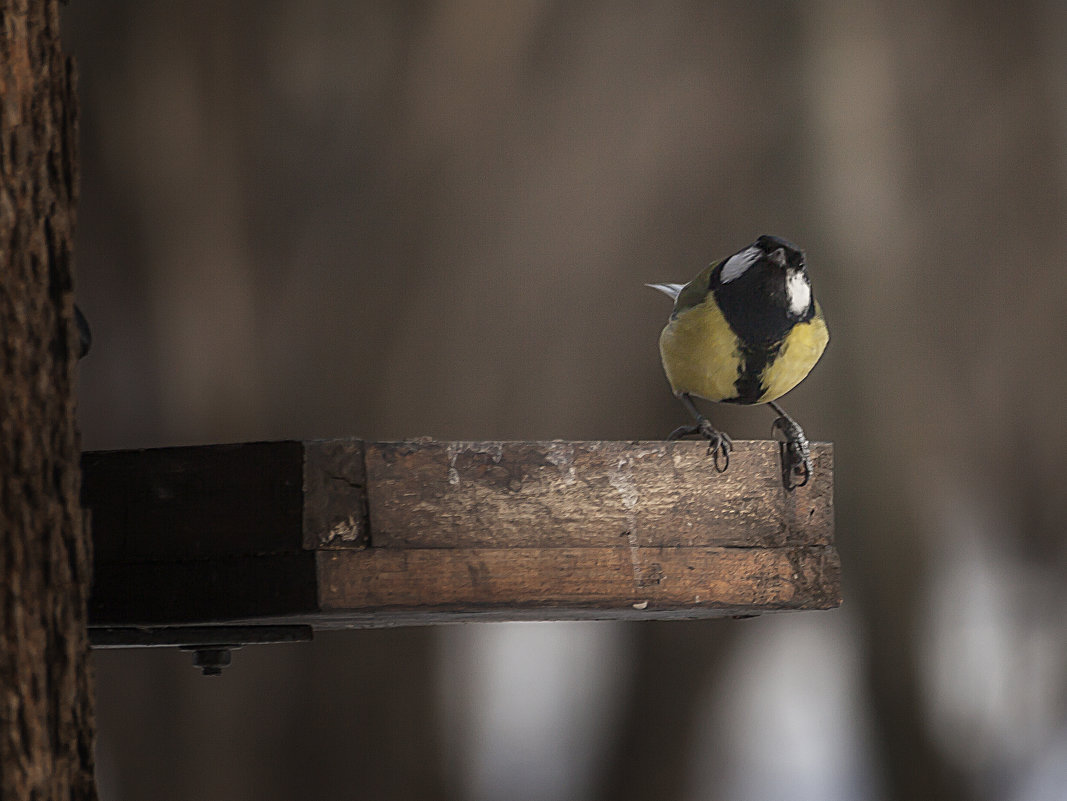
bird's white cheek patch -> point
(799, 292)
(737, 264)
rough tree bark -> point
(46, 716)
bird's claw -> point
(682, 431)
(718, 442)
(796, 454)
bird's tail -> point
(670, 290)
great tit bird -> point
(746, 330)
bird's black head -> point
(763, 289)
(780, 251)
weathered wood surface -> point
(784, 578)
(347, 532)
(47, 732)
(588, 494)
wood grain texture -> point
(560, 494)
(335, 496)
(350, 533)
(655, 578)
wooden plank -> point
(591, 494)
(217, 590)
(656, 578)
(196, 502)
(335, 496)
(341, 533)
(212, 500)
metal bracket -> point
(211, 645)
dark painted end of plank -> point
(347, 532)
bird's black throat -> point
(754, 361)
(756, 307)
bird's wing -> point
(696, 291)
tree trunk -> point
(46, 715)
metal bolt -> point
(211, 661)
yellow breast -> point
(802, 348)
(700, 353)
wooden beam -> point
(341, 533)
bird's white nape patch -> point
(798, 292)
(737, 264)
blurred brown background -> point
(388, 220)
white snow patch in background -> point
(529, 707)
(788, 721)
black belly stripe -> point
(754, 363)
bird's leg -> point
(718, 442)
(796, 453)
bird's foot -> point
(719, 444)
(796, 453)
